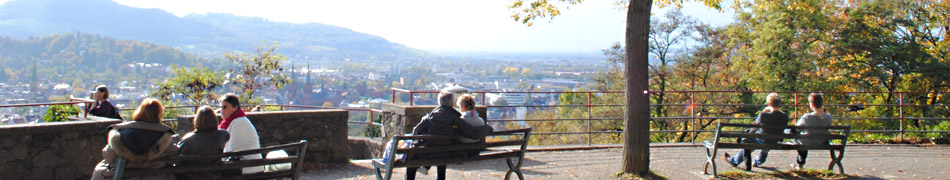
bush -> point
(60, 113)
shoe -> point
(797, 166)
(728, 158)
(755, 164)
(424, 170)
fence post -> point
(692, 116)
(411, 97)
(590, 136)
(393, 100)
(901, 113)
(795, 98)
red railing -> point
(900, 103)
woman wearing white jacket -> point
(243, 134)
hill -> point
(206, 35)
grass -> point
(806, 173)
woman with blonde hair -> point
(205, 140)
(140, 141)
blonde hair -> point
(773, 100)
(150, 110)
(205, 119)
(467, 101)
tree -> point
(195, 84)
(672, 30)
(636, 156)
(263, 69)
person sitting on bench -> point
(770, 116)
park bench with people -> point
(729, 136)
(508, 145)
(295, 161)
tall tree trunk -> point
(636, 144)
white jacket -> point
(244, 137)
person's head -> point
(815, 101)
(205, 119)
(150, 110)
(102, 92)
(466, 102)
(774, 101)
(446, 98)
(229, 104)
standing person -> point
(205, 140)
(817, 117)
(243, 134)
(140, 141)
(443, 120)
(102, 107)
(770, 116)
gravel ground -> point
(863, 162)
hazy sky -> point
(443, 25)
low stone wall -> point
(59, 150)
(325, 130)
(366, 148)
(401, 118)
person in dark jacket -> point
(102, 107)
(444, 120)
(205, 140)
(141, 142)
(770, 116)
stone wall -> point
(366, 148)
(325, 130)
(59, 150)
(401, 118)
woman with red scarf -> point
(243, 134)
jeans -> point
(739, 158)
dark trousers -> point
(411, 172)
(802, 155)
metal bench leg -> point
(516, 168)
(389, 173)
(836, 160)
(710, 159)
(748, 159)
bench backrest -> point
(727, 131)
(507, 138)
(298, 149)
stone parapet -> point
(56, 150)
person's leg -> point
(802, 156)
(411, 173)
(441, 172)
(738, 159)
(763, 154)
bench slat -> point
(782, 136)
(455, 148)
(785, 127)
(778, 147)
(442, 161)
(208, 167)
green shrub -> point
(60, 113)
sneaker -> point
(424, 170)
(728, 158)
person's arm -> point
(472, 132)
(423, 126)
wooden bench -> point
(495, 149)
(294, 172)
(835, 133)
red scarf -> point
(227, 121)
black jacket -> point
(445, 120)
(104, 109)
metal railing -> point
(898, 106)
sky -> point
(444, 25)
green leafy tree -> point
(195, 84)
(257, 71)
(60, 113)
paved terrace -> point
(863, 161)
